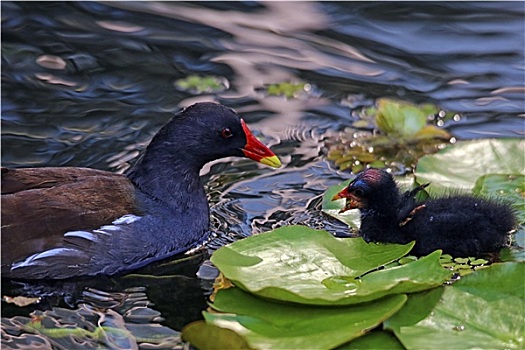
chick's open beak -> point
(352, 202)
(256, 150)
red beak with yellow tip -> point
(256, 150)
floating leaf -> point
(486, 307)
(199, 84)
(403, 137)
(508, 186)
(269, 325)
(399, 118)
(287, 89)
(375, 340)
(432, 132)
(302, 265)
(460, 165)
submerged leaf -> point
(203, 335)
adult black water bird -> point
(63, 222)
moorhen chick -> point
(461, 225)
(64, 222)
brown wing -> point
(40, 204)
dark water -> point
(89, 83)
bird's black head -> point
(204, 132)
(371, 189)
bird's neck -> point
(384, 208)
(173, 181)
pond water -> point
(89, 83)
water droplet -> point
(431, 218)
(453, 140)
(457, 118)
(440, 123)
(442, 114)
(370, 149)
(459, 328)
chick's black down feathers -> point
(460, 225)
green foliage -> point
(403, 134)
(289, 90)
(459, 166)
(302, 265)
(375, 340)
(484, 308)
(509, 187)
(200, 84)
(288, 280)
(270, 325)
(204, 335)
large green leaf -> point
(484, 309)
(399, 117)
(302, 265)
(269, 325)
(461, 164)
(376, 340)
(508, 186)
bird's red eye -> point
(226, 133)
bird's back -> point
(462, 225)
(39, 205)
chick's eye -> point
(226, 133)
(359, 192)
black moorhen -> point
(64, 222)
(460, 225)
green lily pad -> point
(269, 325)
(375, 340)
(399, 117)
(302, 265)
(459, 166)
(484, 308)
(287, 89)
(200, 84)
(508, 186)
(402, 133)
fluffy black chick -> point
(460, 225)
